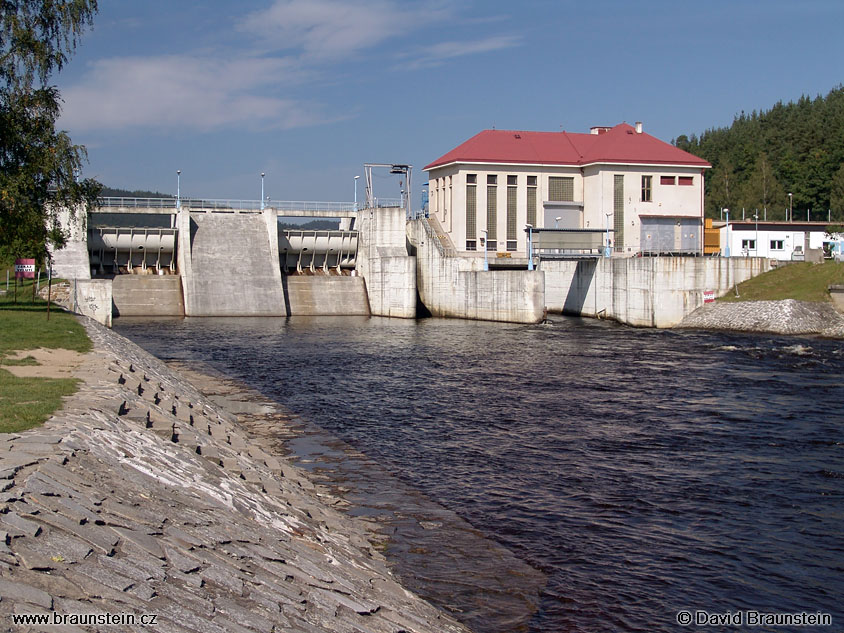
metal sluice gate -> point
(317, 250)
(116, 250)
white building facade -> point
(647, 194)
(783, 241)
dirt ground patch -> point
(52, 363)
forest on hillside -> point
(795, 148)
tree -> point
(836, 194)
(39, 165)
(763, 191)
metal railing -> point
(445, 249)
(234, 205)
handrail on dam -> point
(446, 250)
(236, 205)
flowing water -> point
(643, 472)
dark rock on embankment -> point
(776, 317)
(144, 497)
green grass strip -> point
(801, 281)
(29, 402)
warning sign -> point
(708, 296)
(24, 269)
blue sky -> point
(307, 91)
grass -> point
(28, 402)
(800, 281)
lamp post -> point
(756, 241)
(529, 229)
(791, 206)
(356, 192)
(607, 245)
(178, 188)
(557, 221)
(486, 236)
(262, 191)
(727, 246)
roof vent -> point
(517, 135)
(638, 127)
(599, 129)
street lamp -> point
(262, 191)
(356, 192)
(607, 245)
(727, 246)
(557, 221)
(756, 241)
(529, 229)
(178, 188)
(791, 206)
(486, 236)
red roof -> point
(620, 144)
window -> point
(492, 179)
(749, 245)
(531, 201)
(686, 181)
(560, 189)
(776, 245)
(666, 180)
(618, 212)
(511, 212)
(471, 213)
(471, 179)
(471, 245)
(512, 180)
(491, 245)
(491, 210)
(646, 188)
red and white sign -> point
(25, 269)
(708, 296)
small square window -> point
(511, 245)
(492, 179)
(471, 245)
(666, 180)
(471, 179)
(686, 181)
(491, 245)
(749, 245)
(512, 180)
(531, 181)
(776, 245)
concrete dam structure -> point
(204, 260)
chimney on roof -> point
(638, 127)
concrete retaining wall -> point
(91, 298)
(382, 260)
(72, 261)
(229, 264)
(147, 295)
(453, 287)
(325, 296)
(642, 291)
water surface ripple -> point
(643, 471)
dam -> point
(199, 257)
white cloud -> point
(183, 91)
(331, 29)
(442, 52)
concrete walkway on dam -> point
(144, 497)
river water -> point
(642, 472)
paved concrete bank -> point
(776, 317)
(145, 497)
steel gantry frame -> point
(395, 168)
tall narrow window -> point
(618, 213)
(560, 189)
(531, 200)
(512, 187)
(646, 188)
(471, 212)
(491, 213)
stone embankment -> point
(143, 497)
(776, 317)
